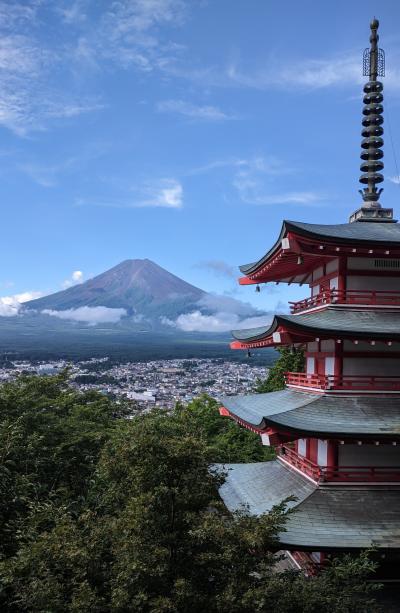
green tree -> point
(225, 441)
(288, 361)
(50, 440)
(142, 528)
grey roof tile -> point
(357, 233)
(325, 517)
(321, 414)
(331, 322)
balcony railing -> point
(350, 296)
(343, 383)
(300, 462)
(367, 474)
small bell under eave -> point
(258, 289)
(248, 353)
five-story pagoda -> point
(335, 427)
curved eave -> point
(331, 323)
(354, 235)
(248, 269)
(326, 518)
(288, 412)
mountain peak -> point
(138, 285)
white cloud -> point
(11, 305)
(254, 178)
(206, 112)
(307, 73)
(28, 98)
(128, 32)
(90, 315)
(166, 193)
(75, 279)
(15, 13)
(218, 322)
(395, 179)
(217, 313)
(167, 322)
(216, 303)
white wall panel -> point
(302, 446)
(310, 366)
(322, 459)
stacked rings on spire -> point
(372, 132)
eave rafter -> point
(297, 255)
(277, 434)
(288, 337)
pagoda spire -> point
(372, 142)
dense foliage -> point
(224, 440)
(103, 514)
(288, 361)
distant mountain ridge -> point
(139, 286)
(149, 294)
(140, 295)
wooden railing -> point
(361, 473)
(370, 474)
(350, 296)
(347, 383)
(300, 462)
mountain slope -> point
(140, 295)
(135, 285)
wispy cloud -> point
(267, 165)
(193, 111)
(219, 268)
(72, 13)
(129, 32)
(29, 97)
(162, 193)
(255, 178)
(167, 193)
(253, 181)
(307, 73)
(48, 175)
(304, 74)
(395, 179)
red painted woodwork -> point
(336, 296)
(283, 262)
(312, 450)
(348, 383)
(304, 560)
(319, 368)
(369, 474)
(332, 455)
(305, 465)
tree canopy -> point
(288, 361)
(101, 513)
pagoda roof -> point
(357, 233)
(330, 517)
(322, 415)
(328, 323)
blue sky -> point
(180, 131)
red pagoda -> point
(336, 426)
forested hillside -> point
(101, 513)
